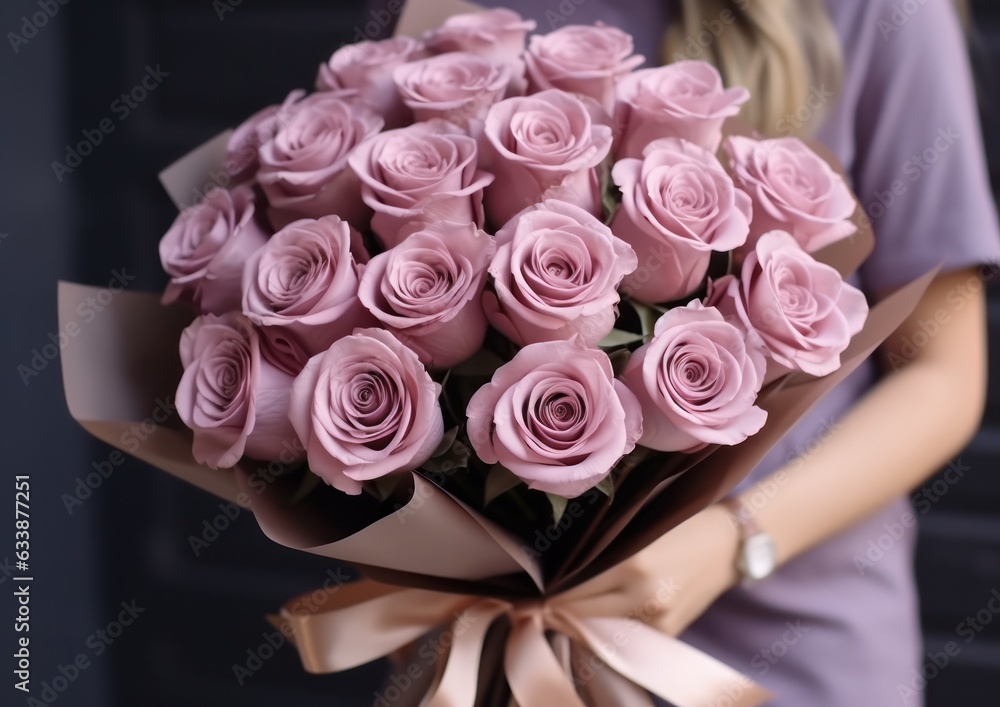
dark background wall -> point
(130, 540)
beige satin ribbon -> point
(358, 623)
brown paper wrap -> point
(433, 556)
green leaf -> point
(558, 504)
(617, 339)
(455, 457)
(607, 487)
(647, 317)
(499, 481)
(611, 200)
(446, 442)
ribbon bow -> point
(357, 623)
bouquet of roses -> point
(486, 314)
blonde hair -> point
(786, 52)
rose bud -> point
(793, 189)
(697, 382)
(206, 247)
(544, 146)
(367, 68)
(423, 173)
(582, 59)
(555, 417)
(232, 398)
(556, 274)
(364, 409)
(678, 206)
(303, 170)
(683, 100)
(428, 291)
(304, 284)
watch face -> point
(759, 556)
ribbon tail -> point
(535, 673)
(354, 624)
(666, 666)
(602, 687)
(457, 684)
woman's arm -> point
(922, 412)
(919, 415)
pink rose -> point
(588, 60)
(367, 67)
(234, 400)
(458, 87)
(793, 189)
(364, 409)
(304, 284)
(254, 132)
(425, 172)
(427, 291)
(497, 35)
(206, 247)
(303, 169)
(556, 417)
(684, 100)
(556, 275)
(697, 382)
(544, 146)
(802, 309)
(678, 206)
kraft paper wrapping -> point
(123, 367)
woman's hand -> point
(674, 580)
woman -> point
(887, 85)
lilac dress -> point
(828, 630)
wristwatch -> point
(758, 555)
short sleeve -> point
(919, 167)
